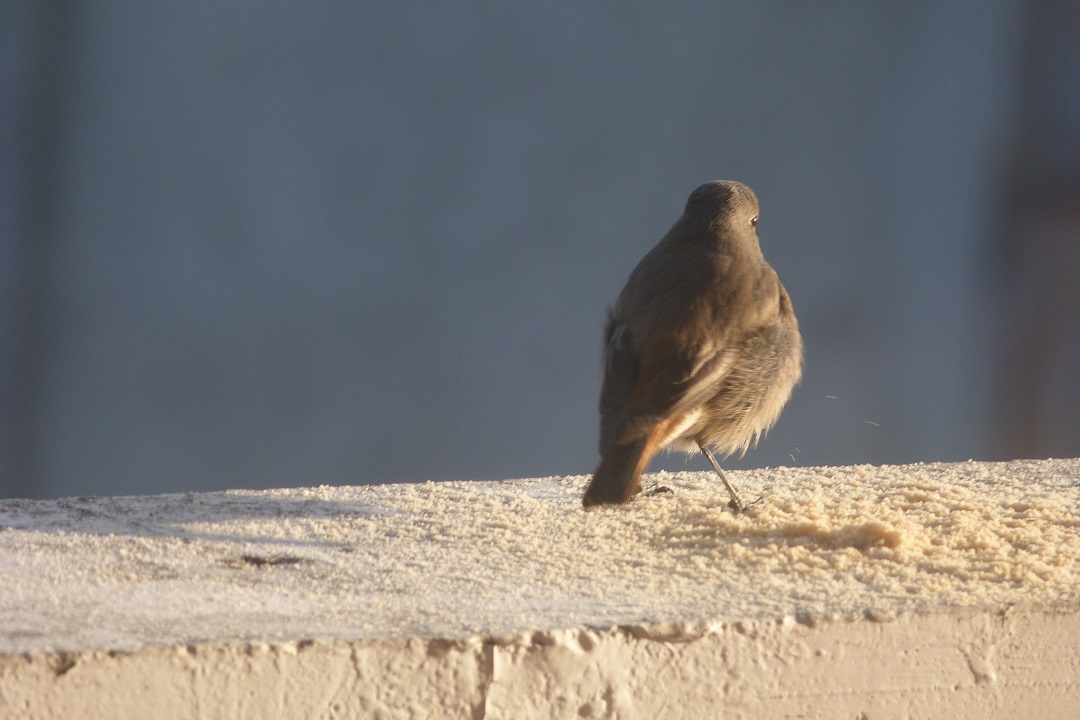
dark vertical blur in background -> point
(268, 244)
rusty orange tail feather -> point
(617, 478)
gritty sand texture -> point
(473, 579)
(456, 559)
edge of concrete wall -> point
(972, 663)
(942, 590)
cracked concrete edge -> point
(965, 663)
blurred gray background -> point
(274, 244)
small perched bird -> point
(701, 350)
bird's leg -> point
(736, 504)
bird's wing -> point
(686, 352)
(671, 390)
(637, 395)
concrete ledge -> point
(949, 590)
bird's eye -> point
(753, 221)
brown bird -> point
(701, 350)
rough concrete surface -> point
(941, 590)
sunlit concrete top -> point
(491, 559)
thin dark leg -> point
(736, 504)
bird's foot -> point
(738, 507)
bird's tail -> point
(617, 477)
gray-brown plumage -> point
(701, 349)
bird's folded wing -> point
(659, 393)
